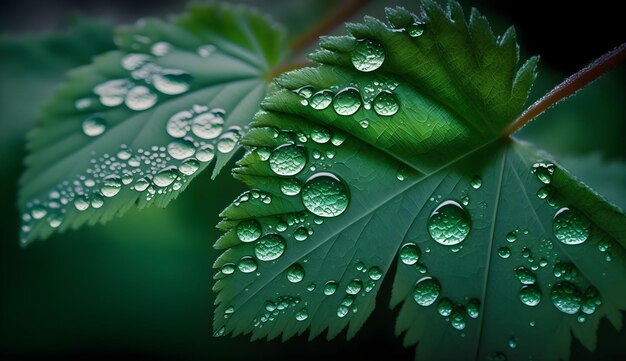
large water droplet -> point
(205, 153)
(178, 124)
(228, 141)
(249, 230)
(321, 99)
(181, 149)
(290, 186)
(94, 125)
(165, 176)
(301, 233)
(287, 160)
(172, 82)
(269, 247)
(375, 273)
(368, 55)
(525, 276)
(386, 103)
(208, 125)
(81, 203)
(410, 254)
(97, 201)
(571, 226)
(504, 252)
(426, 291)
(566, 297)
(320, 135)
(330, 287)
(140, 98)
(111, 186)
(449, 224)
(354, 287)
(295, 273)
(530, 295)
(247, 264)
(347, 101)
(444, 307)
(325, 195)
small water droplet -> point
(205, 153)
(325, 195)
(206, 50)
(161, 48)
(140, 98)
(287, 160)
(504, 252)
(301, 234)
(543, 172)
(415, 30)
(290, 186)
(295, 273)
(330, 287)
(94, 125)
(512, 342)
(473, 308)
(227, 141)
(457, 318)
(477, 182)
(410, 254)
(591, 300)
(444, 307)
(347, 101)
(544, 192)
(97, 201)
(249, 230)
(449, 224)
(302, 315)
(530, 295)
(571, 226)
(320, 135)
(375, 273)
(566, 297)
(112, 92)
(426, 291)
(111, 186)
(354, 287)
(566, 270)
(269, 247)
(81, 203)
(228, 268)
(511, 237)
(368, 55)
(386, 104)
(247, 264)
(402, 173)
(181, 149)
(525, 276)
(189, 166)
(172, 82)
(165, 176)
(178, 124)
(208, 125)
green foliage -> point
(389, 151)
(139, 123)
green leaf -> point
(139, 123)
(337, 194)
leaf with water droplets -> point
(139, 123)
(418, 176)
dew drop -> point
(178, 123)
(249, 230)
(38, 212)
(347, 101)
(181, 149)
(227, 141)
(81, 203)
(504, 252)
(571, 226)
(321, 99)
(386, 104)
(140, 98)
(302, 315)
(426, 291)
(97, 201)
(368, 55)
(189, 166)
(112, 92)
(415, 30)
(449, 224)
(111, 186)
(473, 308)
(228, 269)
(247, 264)
(591, 300)
(530, 295)
(205, 153)
(511, 237)
(512, 342)
(269, 247)
(287, 160)
(161, 48)
(290, 186)
(567, 271)
(543, 172)
(410, 254)
(165, 176)
(457, 318)
(134, 61)
(320, 135)
(354, 287)
(330, 287)
(325, 195)
(172, 82)
(141, 185)
(525, 276)
(301, 234)
(544, 192)
(94, 125)
(375, 273)
(295, 273)
(206, 50)
(566, 297)
(208, 125)
(476, 182)
(444, 307)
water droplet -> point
(295, 273)
(449, 224)
(530, 295)
(511, 237)
(568, 271)
(287, 160)
(172, 82)
(566, 297)
(342, 311)
(543, 172)
(320, 135)
(165, 176)
(141, 185)
(525, 276)
(227, 141)
(206, 50)
(247, 264)
(305, 92)
(426, 291)
(112, 92)
(591, 300)
(444, 307)
(97, 201)
(477, 182)
(338, 138)
(354, 287)
(302, 315)
(290, 186)
(178, 123)
(321, 99)
(228, 268)
(497, 356)
(325, 195)
(386, 104)
(457, 318)
(544, 192)
(512, 342)
(189, 166)
(94, 125)
(161, 48)
(504, 252)
(368, 55)
(415, 29)
(181, 149)
(81, 203)
(249, 230)
(38, 212)
(347, 101)
(473, 308)
(205, 153)
(111, 186)
(375, 273)
(571, 226)
(269, 247)
(330, 288)
(140, 98)
(410, 254)
(134, 61)
(208, 125)
(402, 173)
(301, 234)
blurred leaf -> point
(139, 123)
(400, 158)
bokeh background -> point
(139, 287)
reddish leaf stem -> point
(569, 87)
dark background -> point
(140, 287)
